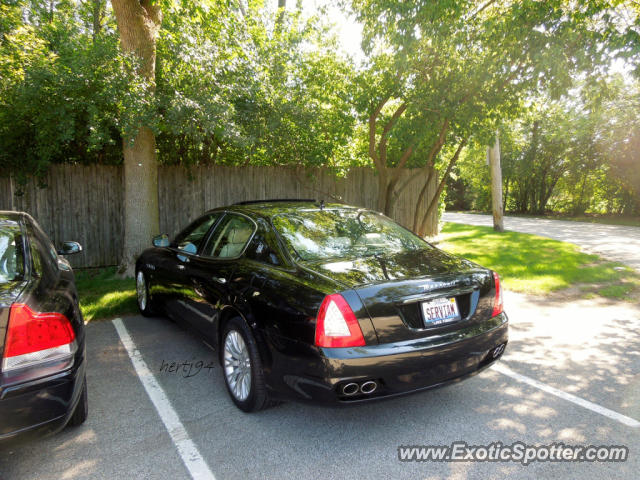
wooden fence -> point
(84, 203)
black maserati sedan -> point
(323, 303)
(42, 374)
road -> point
(587, 349)
(615, 242)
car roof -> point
(269, 208)
(7, 216)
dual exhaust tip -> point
(367, 388)
(496, 352)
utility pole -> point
(496, 186)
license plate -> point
(440, 310)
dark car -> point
(324, 303)
(42, 374)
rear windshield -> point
(11, 253)
(341, 233)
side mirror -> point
(69, 248)
(161, 241)
(188, 247)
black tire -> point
(81, 412)
(258, 397)
(147, 310)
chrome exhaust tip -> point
(498, 350)
(350, 389)
(368, 387)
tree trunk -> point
(97, 13)
(138, 23)
(420, 201)
(382, 190)
(426, 227)
(282, 6)
(577, 209)
(392, 193)
(506, 195)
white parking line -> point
(188, 451)
(503, 369)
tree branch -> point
(397, 114)
(481, 9)
(372, 131)
(382, 145)
(436, 197)
(435, 149)
(405, 157)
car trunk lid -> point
(393, 287)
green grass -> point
(538, 265)
(103, 294)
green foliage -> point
(251, 88)
(447, 73)
(473, 63)
(618, 142)
(234, 85)
(238, 83)
(60, 93)
(573, 155)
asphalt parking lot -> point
(588, 349)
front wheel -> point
(142, 291)
(242, 367)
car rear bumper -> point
(42, 406)
(400, 368)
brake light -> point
(498, 306)
(336, 325)
(34, 338)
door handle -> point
(180, 266)
(220, 279)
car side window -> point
(230, 237)
(36, 259)
(260, 250)
(11, 253)
(43, 263)
(46, 246)
(190, 238)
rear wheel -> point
(142, 291)
(82, 409)
(242, 367)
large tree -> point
(576, 154)
(443, 73)
(235, 84)
(139, 23)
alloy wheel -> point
(237, 365)
(141, 289)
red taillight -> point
(497, 302)
(34, 337)
(336, 325)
